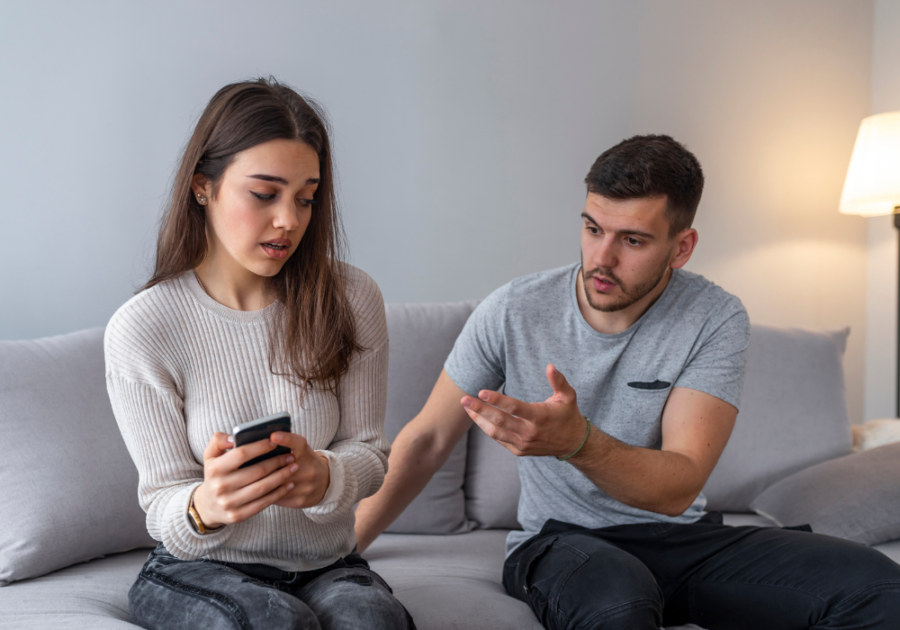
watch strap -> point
(196, 521)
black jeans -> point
(645, 576)
(173, 594)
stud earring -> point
(201, 199)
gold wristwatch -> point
(195, 519)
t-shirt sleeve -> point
(716, 367)
(478, 358)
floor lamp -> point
(872, 187)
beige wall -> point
(881, 277)
(770, 95)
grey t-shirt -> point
(695, 336)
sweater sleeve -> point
(358, 454)
(152, 423)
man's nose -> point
(605, 254)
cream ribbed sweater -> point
(180, 366)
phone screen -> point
(261, 429)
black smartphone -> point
(261, 429)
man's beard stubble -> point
(630, 295)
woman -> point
(248, 313)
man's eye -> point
(633, 241)
(593, 230)
(262, 196)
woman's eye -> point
(262, 196)
(306, 203)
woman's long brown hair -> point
(315, 335)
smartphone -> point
(261, 429)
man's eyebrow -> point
(281, 180)
(646, 235)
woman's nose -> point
(286, 217)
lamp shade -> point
(872, 186)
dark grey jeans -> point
(637, 577)
(173, 594)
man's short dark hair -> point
(648, 166)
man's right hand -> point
(230, 494)
(419, 450)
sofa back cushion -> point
(793, 413)
(422, 336)
(68, 488)
(492, 484)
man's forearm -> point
(657, 481)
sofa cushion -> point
(492, 484)
(856, 497)
(793, 414)
(69, 486)
(422, 336)
(91, 595)
(451, 582)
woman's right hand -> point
(229, 495)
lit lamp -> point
(872, 187)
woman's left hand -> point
(312, 476)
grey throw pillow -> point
(422, 336)
(68, 488)
(793, 413)
(856, 497)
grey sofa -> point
(72, 537)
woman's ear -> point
(200, 185)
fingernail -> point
(289, 459)
(483, 395)
(467, 402)
(295, 468)
(290, 486)
(230, 439)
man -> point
(644, 367)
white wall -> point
(463, 132)
(881, 295)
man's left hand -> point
(554, 427)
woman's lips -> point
(274, 251)
(602, 285)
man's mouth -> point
(603, 285)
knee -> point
(271, 608)
(877, 584)
(864, 569)
(357, 598)
(871, 591)
(634, 615)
